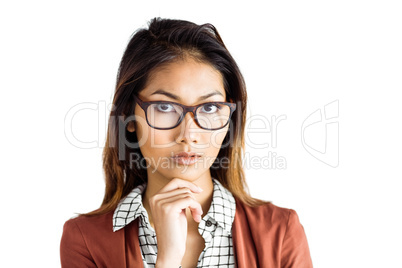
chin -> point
(186, 173)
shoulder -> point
(291, 238)
(88, 229)
(88, 239)
(268, 219)
(275, 234)
(79, 229)
(78, 235)
(103, 222)
(267, 213)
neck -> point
(157, 181)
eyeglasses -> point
(167, 115)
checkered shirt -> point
(215, 227)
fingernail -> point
(200, 189)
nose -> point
(189, 130)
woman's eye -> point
(165, 107)
(210, 108)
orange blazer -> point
(265, 236)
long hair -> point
(165, 41)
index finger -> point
(180, 183)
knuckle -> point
(152, 200)
(188, 198)
(185, 190)
(187, 195)
(166, 206)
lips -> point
(187, 154)
(186, 158)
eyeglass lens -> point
(167, 115)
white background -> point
(296, 56)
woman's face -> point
(186, 82)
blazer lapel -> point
(244, 247)
(133, 251)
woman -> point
(175, 188)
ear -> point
(130, 126)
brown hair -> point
(165, 41)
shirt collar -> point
(130, 208)
(223, 207)
(221, 211)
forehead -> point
(187, 80)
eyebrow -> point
(175, 97)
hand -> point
(168, 211)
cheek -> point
(216, 139)
(159, 139)
(155, 143)
(215, 144)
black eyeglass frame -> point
(193, 109)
